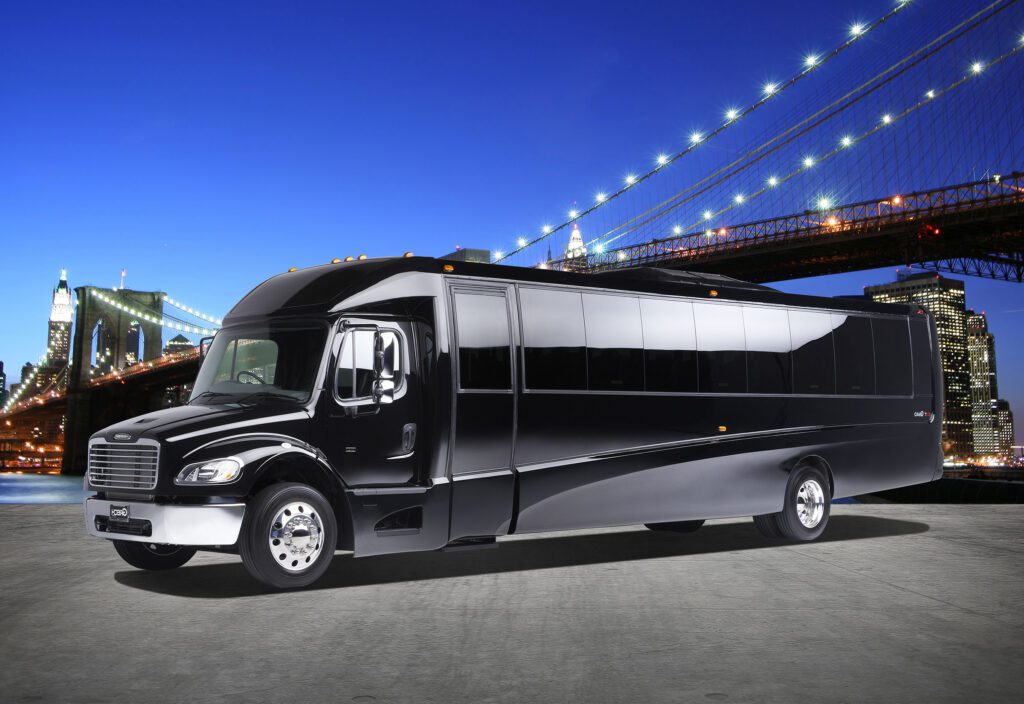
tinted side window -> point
(670, 345)
(483, 332)
(554, 339)
(362, 346)
(855, 354)
(721, 354)
(768, 362)
(814, 370)
(921, 348)
(615, 343)
(355, 374)
(892, 356)
(344, 378)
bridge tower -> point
(112, 316)
(117, 324)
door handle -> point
(409, 437)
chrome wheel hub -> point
(810, 503)
(296, 536)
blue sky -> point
(205, 146)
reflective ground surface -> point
(895, 603)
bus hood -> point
(195, 420)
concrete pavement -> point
(896, 603)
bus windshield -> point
(260, 363)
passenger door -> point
(481, 457)
(372, 434)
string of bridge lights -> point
(192, 311)
(141, 315)
(149, 317)
(27, 383)
(847, 141)
(769, 90)
(950, 35)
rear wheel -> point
(805, 511)
(677, 526)
(151, 556)
(288, 536)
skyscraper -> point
(1004, 420)
(981, 355)
(131, 343)
(576, 247)
(3, 386)
(58, 344)
(944, 298)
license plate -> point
(120, 514)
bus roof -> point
(316, 290)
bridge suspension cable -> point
(842, 145)
(164, 320)
(762, 151)
(192, 311)
(732, 116)
(824, 205)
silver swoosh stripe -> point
(299, 415)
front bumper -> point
(168, 524)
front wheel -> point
(288, 536)
(150, 556)
(805, 512)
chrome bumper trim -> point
(201, 524)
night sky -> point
(205, 146)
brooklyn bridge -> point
(900, 145)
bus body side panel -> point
(482, 504)
(592, 460)
(599, 459)
(882, 443)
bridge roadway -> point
(899, 604)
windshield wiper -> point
(207, 394)
(257, 396)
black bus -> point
(410, 403)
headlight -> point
(219, 471)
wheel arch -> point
(822, 464)
(300, 468)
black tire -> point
(677, 526)
(254, 541)
(766, 525)
(150, 556)
(786, 524)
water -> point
(30, 488)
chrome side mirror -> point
(385, 352)
(383, 391)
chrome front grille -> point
(123, 465)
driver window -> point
(248, 361)
(355, 376)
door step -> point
(476, 543)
